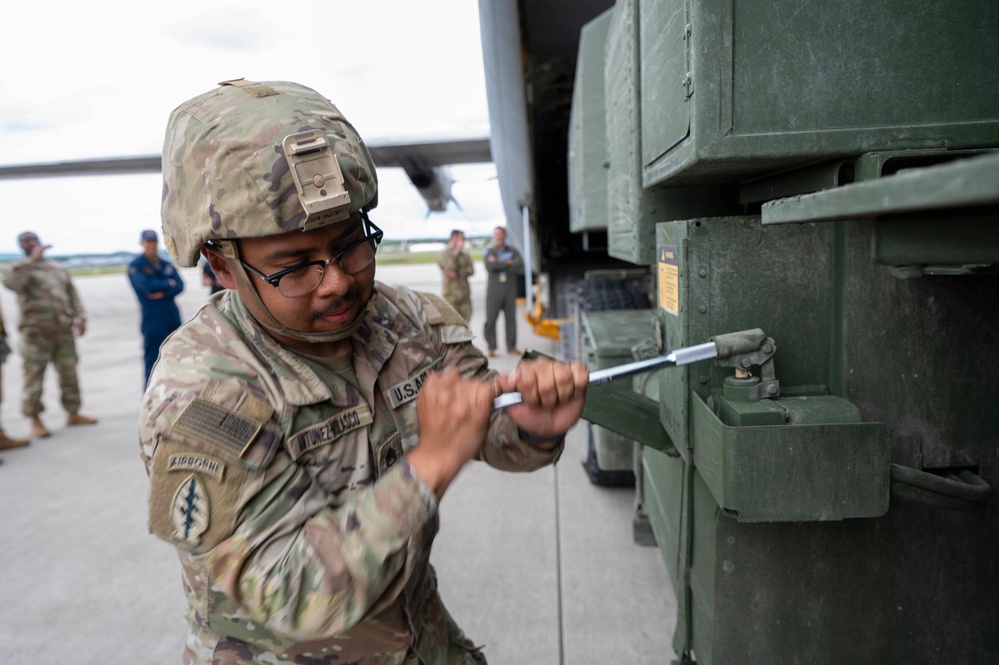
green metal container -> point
(587, 132)
(607, 338)
(774, 517)
(826, 173)
(732, 90)
(633, 210)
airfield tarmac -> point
(540, 568)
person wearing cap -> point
(51, 318)
(301, 429)
(156, 283)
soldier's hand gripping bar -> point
(684, 356)
(744, 344)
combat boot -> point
(6, 442)
(79, 419)
(38, 428)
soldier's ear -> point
(219, 266)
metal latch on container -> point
(746, 349)
(318, 178)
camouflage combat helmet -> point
(251, 159)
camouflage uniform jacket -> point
(456, 288)
(45, 294)
(303, 532)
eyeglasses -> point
(304, 278)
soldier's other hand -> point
(39, 251)
(453, 413)
(79, 327)
(553, 394)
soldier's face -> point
(28, 242)
(334, 304)
(499, 237)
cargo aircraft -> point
(424, 163)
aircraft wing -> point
(425, 164)
(102, 166)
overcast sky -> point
(98, 79)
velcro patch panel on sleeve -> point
(455, 334)
(439, 311)
(233, 428)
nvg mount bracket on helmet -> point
(318, 178)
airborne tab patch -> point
(195, 462)
(328, 431)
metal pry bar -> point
(684, 356)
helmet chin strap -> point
(231, 251)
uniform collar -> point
(378, 335)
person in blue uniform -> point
(156, 283)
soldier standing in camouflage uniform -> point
(300, 431)
(6, 442)
(51, 315)
(504, 265)
(456, 267)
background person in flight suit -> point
(156, 283)
(301, 429)
(51, 317)
(504, 265)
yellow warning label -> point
(669, 279)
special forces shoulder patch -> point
(189, 512)
(193, 496)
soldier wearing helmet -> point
(301, 429)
